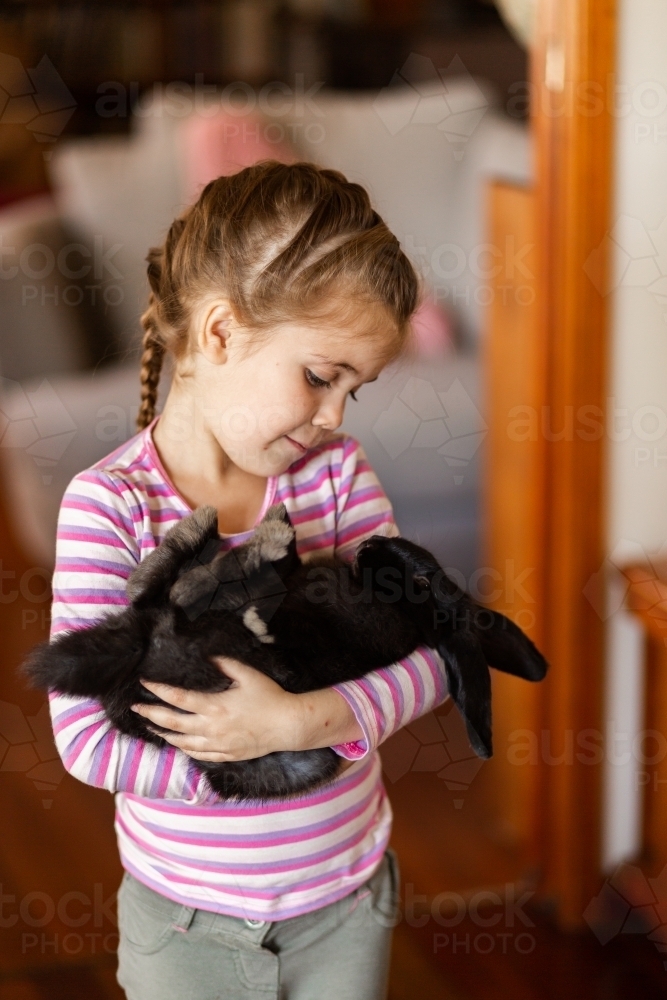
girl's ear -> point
(216, 322)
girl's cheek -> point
(295, 409)
(279, 420)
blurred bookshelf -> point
(346, 44)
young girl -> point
(277, 295)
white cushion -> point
(52, 429)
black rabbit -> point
(306, 625)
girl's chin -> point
(270, 460)
(281, 454)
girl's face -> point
(267, 401)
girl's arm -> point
(255, 715)
(387, 699)
(96, 550)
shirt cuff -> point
(358, 748)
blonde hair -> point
(277, 240)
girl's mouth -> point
(300, 448)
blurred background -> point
(518, 150)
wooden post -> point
(514, 505)
(572, 69)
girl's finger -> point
(169, 719)
(189, 701)
(234, 669)
(243, 675)
(184, 742)
(195, 746)
(211, 756)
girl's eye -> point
(316, 381)
(320, 383)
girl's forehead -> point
(361, 358)
(345, 344)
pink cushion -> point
(432, 331)
(224, 143)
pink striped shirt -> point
(270, 861)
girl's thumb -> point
(233, 669)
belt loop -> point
(184, 918)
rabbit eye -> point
(422, 582)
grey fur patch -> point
(195, 528)
(192, 586)
(252, 621)
(271, 539)
(184, 539)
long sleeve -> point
(387, 699)
(96, 550)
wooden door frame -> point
(572, 69)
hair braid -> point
(151, 365)
(163, 309)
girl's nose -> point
(330, 414)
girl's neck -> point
(203, 474)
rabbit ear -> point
(274, 539)
(89, 661)
(469, 684)
(507, 648)
(183, 542)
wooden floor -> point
(59, 871)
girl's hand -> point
(253, 717)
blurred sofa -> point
(74, 287)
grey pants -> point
(340, 952)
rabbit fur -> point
(307, 625)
